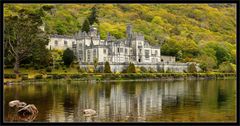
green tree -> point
(107, 68)
(222, 55)
(86, 26)
(207, 63)
(227, 67)
(93, 16)
(179, 55)
(22, 35)
(68, 57)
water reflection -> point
(205, 100)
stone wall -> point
(171, 67)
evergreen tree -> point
(107, 68)
(68, 57)
(93, 16)
(179, 55)
(86, 26)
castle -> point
(118, 52)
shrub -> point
(168, 71)
(48, 69)
(151, 70)
(160, 70)
(74, 76)
(58, 76)
(24, 76)
(10, 76)
(192, 68)
(41, 67)
(131, 68)
(143, 69)
(38, 77)
(26, 66)
(49, 76)
(90, 69)
(107, 68)
(36, 67)
(227, 67)
(56, 66)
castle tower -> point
(93, 31)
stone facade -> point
(118, 52)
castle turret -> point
(93, 31)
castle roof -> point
(61, 36)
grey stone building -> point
(118, 52)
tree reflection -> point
(126, 101)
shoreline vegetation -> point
(110, 77)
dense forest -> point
(203, 33)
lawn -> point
(32, 72)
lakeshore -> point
(111, 77)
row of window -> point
(65, 42)
(120, 50)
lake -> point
(157, 101)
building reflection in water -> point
(126, 101)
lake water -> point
(161, 101)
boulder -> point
(13, 103)
(89, 112)
(28, 110)
(17, 104)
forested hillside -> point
(192, 32)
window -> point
(156, 52)
(105, 59)
(126, 51)
(65, 43)
(56, 43)
(121, 50)
(146, 53)
(95, 53)
(80, 45)
(104, 51)
(126, 59)
(118, 50)
(88, 55)
(73, 42)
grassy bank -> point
(117, 76)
